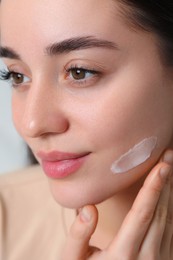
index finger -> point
(77, 244)
(136, 223)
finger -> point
(166, 246)
(159, 230)
(137, 222)
(171, 249)
(167, 236)
(170, 223)
(77, 246)
(154, 236)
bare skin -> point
(147, 230)
(104, 112)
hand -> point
(147, 230)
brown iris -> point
(17, 78)
(78, 74)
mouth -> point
(58, 165)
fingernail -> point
(85, 215)
(168, 157)
(165, 172)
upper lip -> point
(59, 156)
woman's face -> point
(92, 86)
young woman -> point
(93, 98)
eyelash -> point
(84, 70)
(7, 75)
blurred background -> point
(13, 150)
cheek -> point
(17, 114)
(119, 120)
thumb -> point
(77, 245)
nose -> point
(43, 113)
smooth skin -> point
(147, 230)
(120, 100)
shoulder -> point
(28, 214)
(27, 188)
(24, 176)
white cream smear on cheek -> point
(135, 156)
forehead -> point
(28, 26)
(53, 18)
(39, 23)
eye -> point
(81, 74)
(15, 78)
(18, 78)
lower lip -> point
(62, 169)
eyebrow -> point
(6, 52)
(66, 46)
(78, 43)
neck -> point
(111, 215)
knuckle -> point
(157, 187)
(144, 215)
(169, 218)
(161, 213)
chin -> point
(72, 202)
(75, 198)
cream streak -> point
(135, 156)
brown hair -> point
(153, 16)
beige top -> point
(32, 225)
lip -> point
(58, 165)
